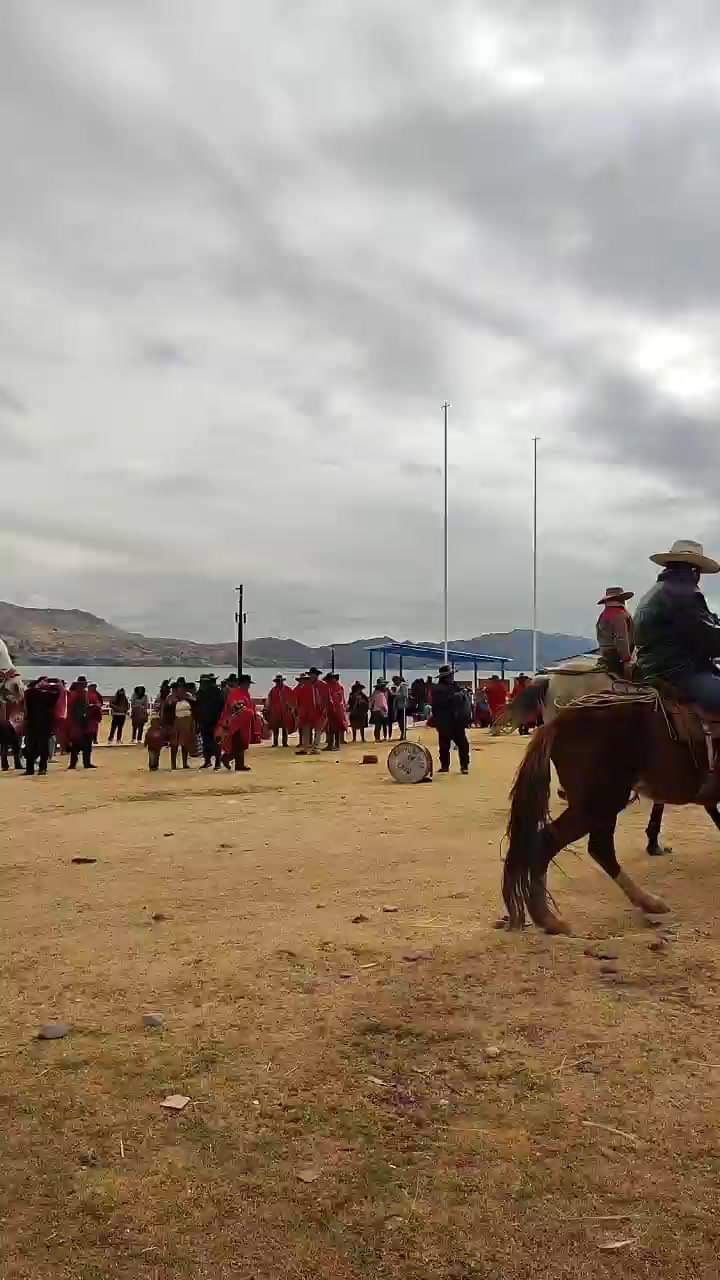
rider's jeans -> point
(703, 688)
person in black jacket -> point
(451, 717)
(209, 703)
(40, 701)
(676, 635)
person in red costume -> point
(95, 710)
(615, 634)
(496, 694)
(337, 719)
(239, 724)
(312, 711)
(79, 724)
(280, 710)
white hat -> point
(685, 551)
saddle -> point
(694, 725)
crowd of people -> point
(219, 720)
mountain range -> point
(65, 636)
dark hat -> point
(445, 670)
(278, 677)
(314, 671)
(245, 680)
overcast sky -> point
(247, 250)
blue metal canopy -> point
(436, 652)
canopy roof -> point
(458, 657)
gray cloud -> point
(234, 303)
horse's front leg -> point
(652, 831)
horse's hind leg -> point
(601, 847)
(570, 825)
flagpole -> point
(534, 566)
(445, 407)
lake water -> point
(108, 679)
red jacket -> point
(312, 704)
(280, 708)
(337, 707)
(496, 694)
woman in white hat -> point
(677, 636)
(615, 635)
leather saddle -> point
(693, 724)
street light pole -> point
(445, 408)
(240, 619)
(534, 569)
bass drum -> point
(410, 762)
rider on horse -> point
(677, 636)
(615, 635)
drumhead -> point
(410, 762)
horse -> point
(552, 690)
(603, 753)
(12, 707)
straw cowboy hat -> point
(616, 595)
(685, 551)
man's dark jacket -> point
(209, 703)
(450, 709)
(675, 633)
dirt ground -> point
(382, 1084)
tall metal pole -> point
(534, 550)
(240, 617)
(445, 407)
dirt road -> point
(381, 1083)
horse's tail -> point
(525, 706)
(529, 801)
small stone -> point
(502, 923)
(360, 919)
(369, 759)
(224, 846)
(391, 911)
(492, 1051)
(83, 862)
(53, 1031)
(601, 953)
(414, 956)
(309, 1175)
(609, 969)
(168, 833)
(660, 944)
(175, 1102)
(588, 1068)
(152, 1020)
(392, 1223)
(458, 895)
(347, 975)
(159, 916)
(319, 906)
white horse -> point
(552, 690)
(12, 688)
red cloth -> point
(519, 687)
(239, 717)
(496, 694)
(78, 723)
(280, 708)
(95, 709)
(312, 704)
(336, 707)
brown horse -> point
(602, 755)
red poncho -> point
(336, 707)
(239, 716)
(78, 723)
(312, 704)
(496, 694)
(280, 708)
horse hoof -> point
(654, 906)
(557, 927)
(659, 850)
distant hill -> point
(67, 636)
